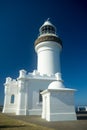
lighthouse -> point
(41, 92)
(48, 47)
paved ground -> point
(80, 124)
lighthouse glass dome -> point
(47, 27)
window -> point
(40, 96)
(12, 99)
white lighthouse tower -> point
(48, 47)
(58, 101)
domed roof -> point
(56, 85)
(47, 27)
(47, 22)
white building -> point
(23, 95)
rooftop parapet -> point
(22, 73)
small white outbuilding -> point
(58, 103)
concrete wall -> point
(11, 89)
(60, 105)
(48, 57)
(34, 105)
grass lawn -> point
(7, 123)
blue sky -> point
(19, 25)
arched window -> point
(12, 99)
(40, 96)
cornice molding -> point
(48, 38)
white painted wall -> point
(60, 105)
(48, 53)
(35, 85)
(22, 93)
(10, 89)
(46, 106)
(26, 90)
